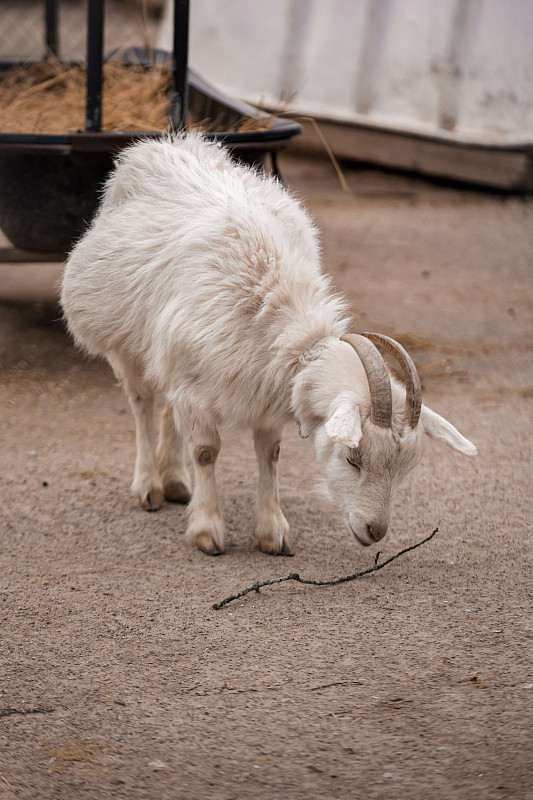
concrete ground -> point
(117, 677)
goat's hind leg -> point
(272, 528)
(147, 484)
(171, 459)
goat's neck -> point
(328, 368)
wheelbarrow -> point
(50, 184)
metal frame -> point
(77, 149)
(179, 105)
(95, 48)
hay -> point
(49, 98)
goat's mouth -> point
(363, 542)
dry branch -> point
(9, 712)
(254, 587)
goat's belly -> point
(229, 401)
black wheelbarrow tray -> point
(49, 184)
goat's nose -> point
(377, 532)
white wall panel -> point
(450, 68)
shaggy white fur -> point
(200, 279)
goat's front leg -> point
(206, 526)
(272, 528)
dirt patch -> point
(72, 752)
(413, 682)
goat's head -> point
(366, 449)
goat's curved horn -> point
(413, 390)
(377, 376)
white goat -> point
(200, 279)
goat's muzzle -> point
(367, 535)
(377, 532)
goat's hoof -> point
(152, 500)
(268, 545)
(176, 492)
(205, 542)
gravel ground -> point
(118, 679)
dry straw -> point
(49, 98)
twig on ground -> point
(337, 714)
(254, 587)
(8, 712)
(337, 683)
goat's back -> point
(193, 260)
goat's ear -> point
(439, 428)
(344, 423)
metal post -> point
(179, 104)
(95, 46)
(50, 18)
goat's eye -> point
(353, 463)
